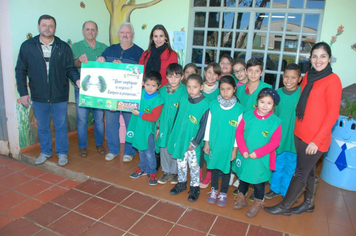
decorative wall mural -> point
(339, 31)
(120, 11)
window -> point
(278, 31)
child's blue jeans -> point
(148, 161)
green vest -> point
(170, 107)
(257, 133)
(222, 136)
(249, 101)
(285, 110)
(139, 129)
(186, 127)
(212, 96)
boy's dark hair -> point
(47, 17)
(190, 65)
(174, 68)
(239, 61)
(195, 77)
(254, 61)
(293, 66)
(216, 68)
(153, 75)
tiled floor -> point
(335, 212)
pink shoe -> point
(205, 183)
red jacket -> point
(321, 111)
(166, 59)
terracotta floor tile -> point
(4, 220)
(122, 217)
(4, 160)
(225, 226)
(45, 232)
(3, 189)
(167, 211)
(139, 202)
(179, 230)
(335, 200)
(5, 171)
(95, 207)
(35, 172)
(340, 230)
(259, 231)
(23, 208)
(198, 220)
(82, 167)
(49, 177)
(110, 175)
(19, 227)
(13, 180)
(92, 186)
(15, 165)
(71, 199)
(46, 214)
(72, 224)
(349, 193)
(33, 187)
(50, 193)
(96, 170)
(330, 190)
(69, 184)
(115, 194)
(149, 225)
(338, 216)
(102, 229)
(291, 224)
(350, 203)
(10, 199)
(313, 227)
(353, 218)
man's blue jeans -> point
(43, 112)
(112, 132)
(82, 121)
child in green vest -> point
(211, 92)
(286, 161)
(185, 142)
(171, 93)
(141, 129)
(189, 69)
(225, 63)
(257, 136)
(247, 94)
(224, 116)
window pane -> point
(270, 79)
(239, 55)
(211, 56)
(311, 23)
(304, 63)
(261, 20)
(199, 3)
(226, 39)
(245, 3)
(241, 39)
(198, 38)
(243, 20)
(263, 3)
(307, 43)
(290, 43)
(213, 19)
(215, 3)
(272, 61)
(259, 41)
(199, 20)
(293, 23)
(275, 41)
(228, 20)
(197, 56)
(230, 3)
(224, 52)
(212, 39)
(280, 3)
(277, 22)
(257, 55)
(296, 4)
(287, 59)
(316, 4)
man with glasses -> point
(88, 50)
(124, 52)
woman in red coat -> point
(159, 53)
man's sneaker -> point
(164, 178)
(180, 187)
(138, 173)
(174, 179)
(42, 159)
(127, 158)
(222, 200)
(62, 159)
(152, 180)
(271, 195)
(100, 149)
(82, 152)
(110, 157)
(213, 196)
(252, 197)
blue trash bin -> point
(339, 166)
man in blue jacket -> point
(47, 61)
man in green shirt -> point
(88, 50)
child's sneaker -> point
(236, 191)
(138, 173)
(213, 196)
(174, 179)
(222, 200)
(152, 180)
(164, 178)
(252, 197)
(271, 195)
